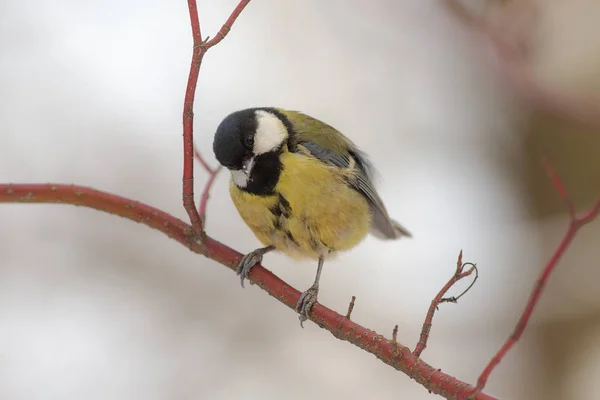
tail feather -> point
(400, 230)
(385, 228)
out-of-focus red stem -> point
(560, 188)
(575, 224)
(202, 161)
(577, 107)
(206, 194)
(199, 49)
(388, 351)
(212, 174)
(459, 274)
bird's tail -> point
(386, 228)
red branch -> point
(459, 274)
(576, 222)
(388, 351)
(199, 49)
(580, 108)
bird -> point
(302, 187)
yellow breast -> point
(313, 212)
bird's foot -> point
(249, 261)
(306, 301)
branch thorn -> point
(350, 307)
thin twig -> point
(199, 49)
(350, 307)
(454, 299)
(212, 174)
(206, 193)
(201, 160)
(227, 25)
(575, 224)
(459, 274)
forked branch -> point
(576, 223)
(200, 47)
(459, 274)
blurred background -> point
(93, 306)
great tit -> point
(301, 186)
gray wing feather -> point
(325, 155)
(382, 227)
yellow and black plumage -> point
(301, 186)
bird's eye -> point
(249, 141)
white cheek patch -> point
(240, 178)
(270, 133)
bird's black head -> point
(234, 139)
(248, 143)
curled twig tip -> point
(457, 276)
(454, 299)
(574, 226)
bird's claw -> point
(247, 263)
(305, 303)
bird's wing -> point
(331, 147)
